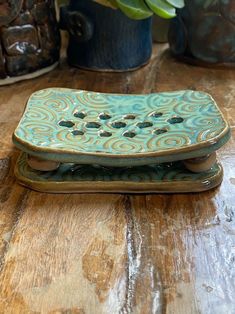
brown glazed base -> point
(12, 80)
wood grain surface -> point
(70, 254)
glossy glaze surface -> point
(29, 39)
(164, 254)
(104, 39)
(78, 126)
(72, 178)
(203, 32)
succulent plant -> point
(141, 9)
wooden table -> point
(118, 253)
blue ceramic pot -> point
(204, 32)
(101, 38)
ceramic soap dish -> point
(76, 141)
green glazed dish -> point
(76, 141)
(85, 127)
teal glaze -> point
(164, 178)
(201, 128)
(69, 172)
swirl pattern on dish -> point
(198, 120)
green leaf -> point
(161, 8)
(176, 3)
(134, 9)
(113, 3)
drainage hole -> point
(156, 114)
(105, 134)
(175, 120)
(129, 134)
(77, 132)
(129, 117)
(159, 131)
(104, 116)
(92, 125)
(143, 125)
(118, 125)
(80, 115)
(68, 124)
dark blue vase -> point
(101, 38)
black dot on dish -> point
(129, 134)
(156, 114)
(129, 117)
(67, 124)
(159, 131)
(105, 134)
(143, 125)
(175, 120)
(92, 125)
(104, 116)
(118, 125)
(80, 115)
(77, 132)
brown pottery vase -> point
(29, 39)
(204, 32)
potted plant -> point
(29, 39)
(112, 35)
(204, 32)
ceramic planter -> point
(29, 39)
(204, 32)
(101, 38)
(160, 29)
